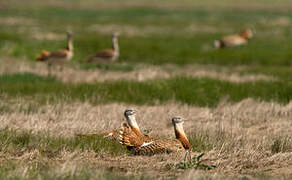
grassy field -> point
(194, 91)
(236, 102)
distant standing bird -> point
(59, 57)
(234, 40)
(107, 55)
(145, 145)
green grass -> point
(158, 50)
(195, 163)
(200, 142)
(193, 91)
(12, 141)
(51, 149)
(179, 33)
(42, 170)
(172, 45)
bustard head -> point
(129, 112)
(177, 120)
(69, 34)
(115, 35)
(178, 125)
(246, 33)
(130, 115)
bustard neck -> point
(181, 135)
(69, 43)
(133, 123)
(115, 44)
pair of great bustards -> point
(131, 136)
(60, 57)
(110, 55)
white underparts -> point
(110, 134)
(146, 144)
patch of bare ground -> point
(28, 26)
(130, 30)
(9, 21)
(281, 21)
(37, 34)
(140, 73)
(194, 28)
(241, 135)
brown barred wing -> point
(158, 146)
(129, 138)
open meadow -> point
(236, 102)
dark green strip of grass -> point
(193, 91)
(12, 170)
(16, 142)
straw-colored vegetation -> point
(236, 102)
(249, 137)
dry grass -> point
(273, 26)
(19, 21)
(241, 135)
(245, 140)
(249, 119)
(150, 30)
(140, 73)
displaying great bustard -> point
(107, 55)
(59, 57)
(234, 40)
(130, 116)
(141, 144)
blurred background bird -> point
(58, 57)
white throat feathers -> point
(179, 130)
(132, 121)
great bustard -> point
(144, 145)
(59, 57)
(107, 55)
(130, 116)
(234, 40)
